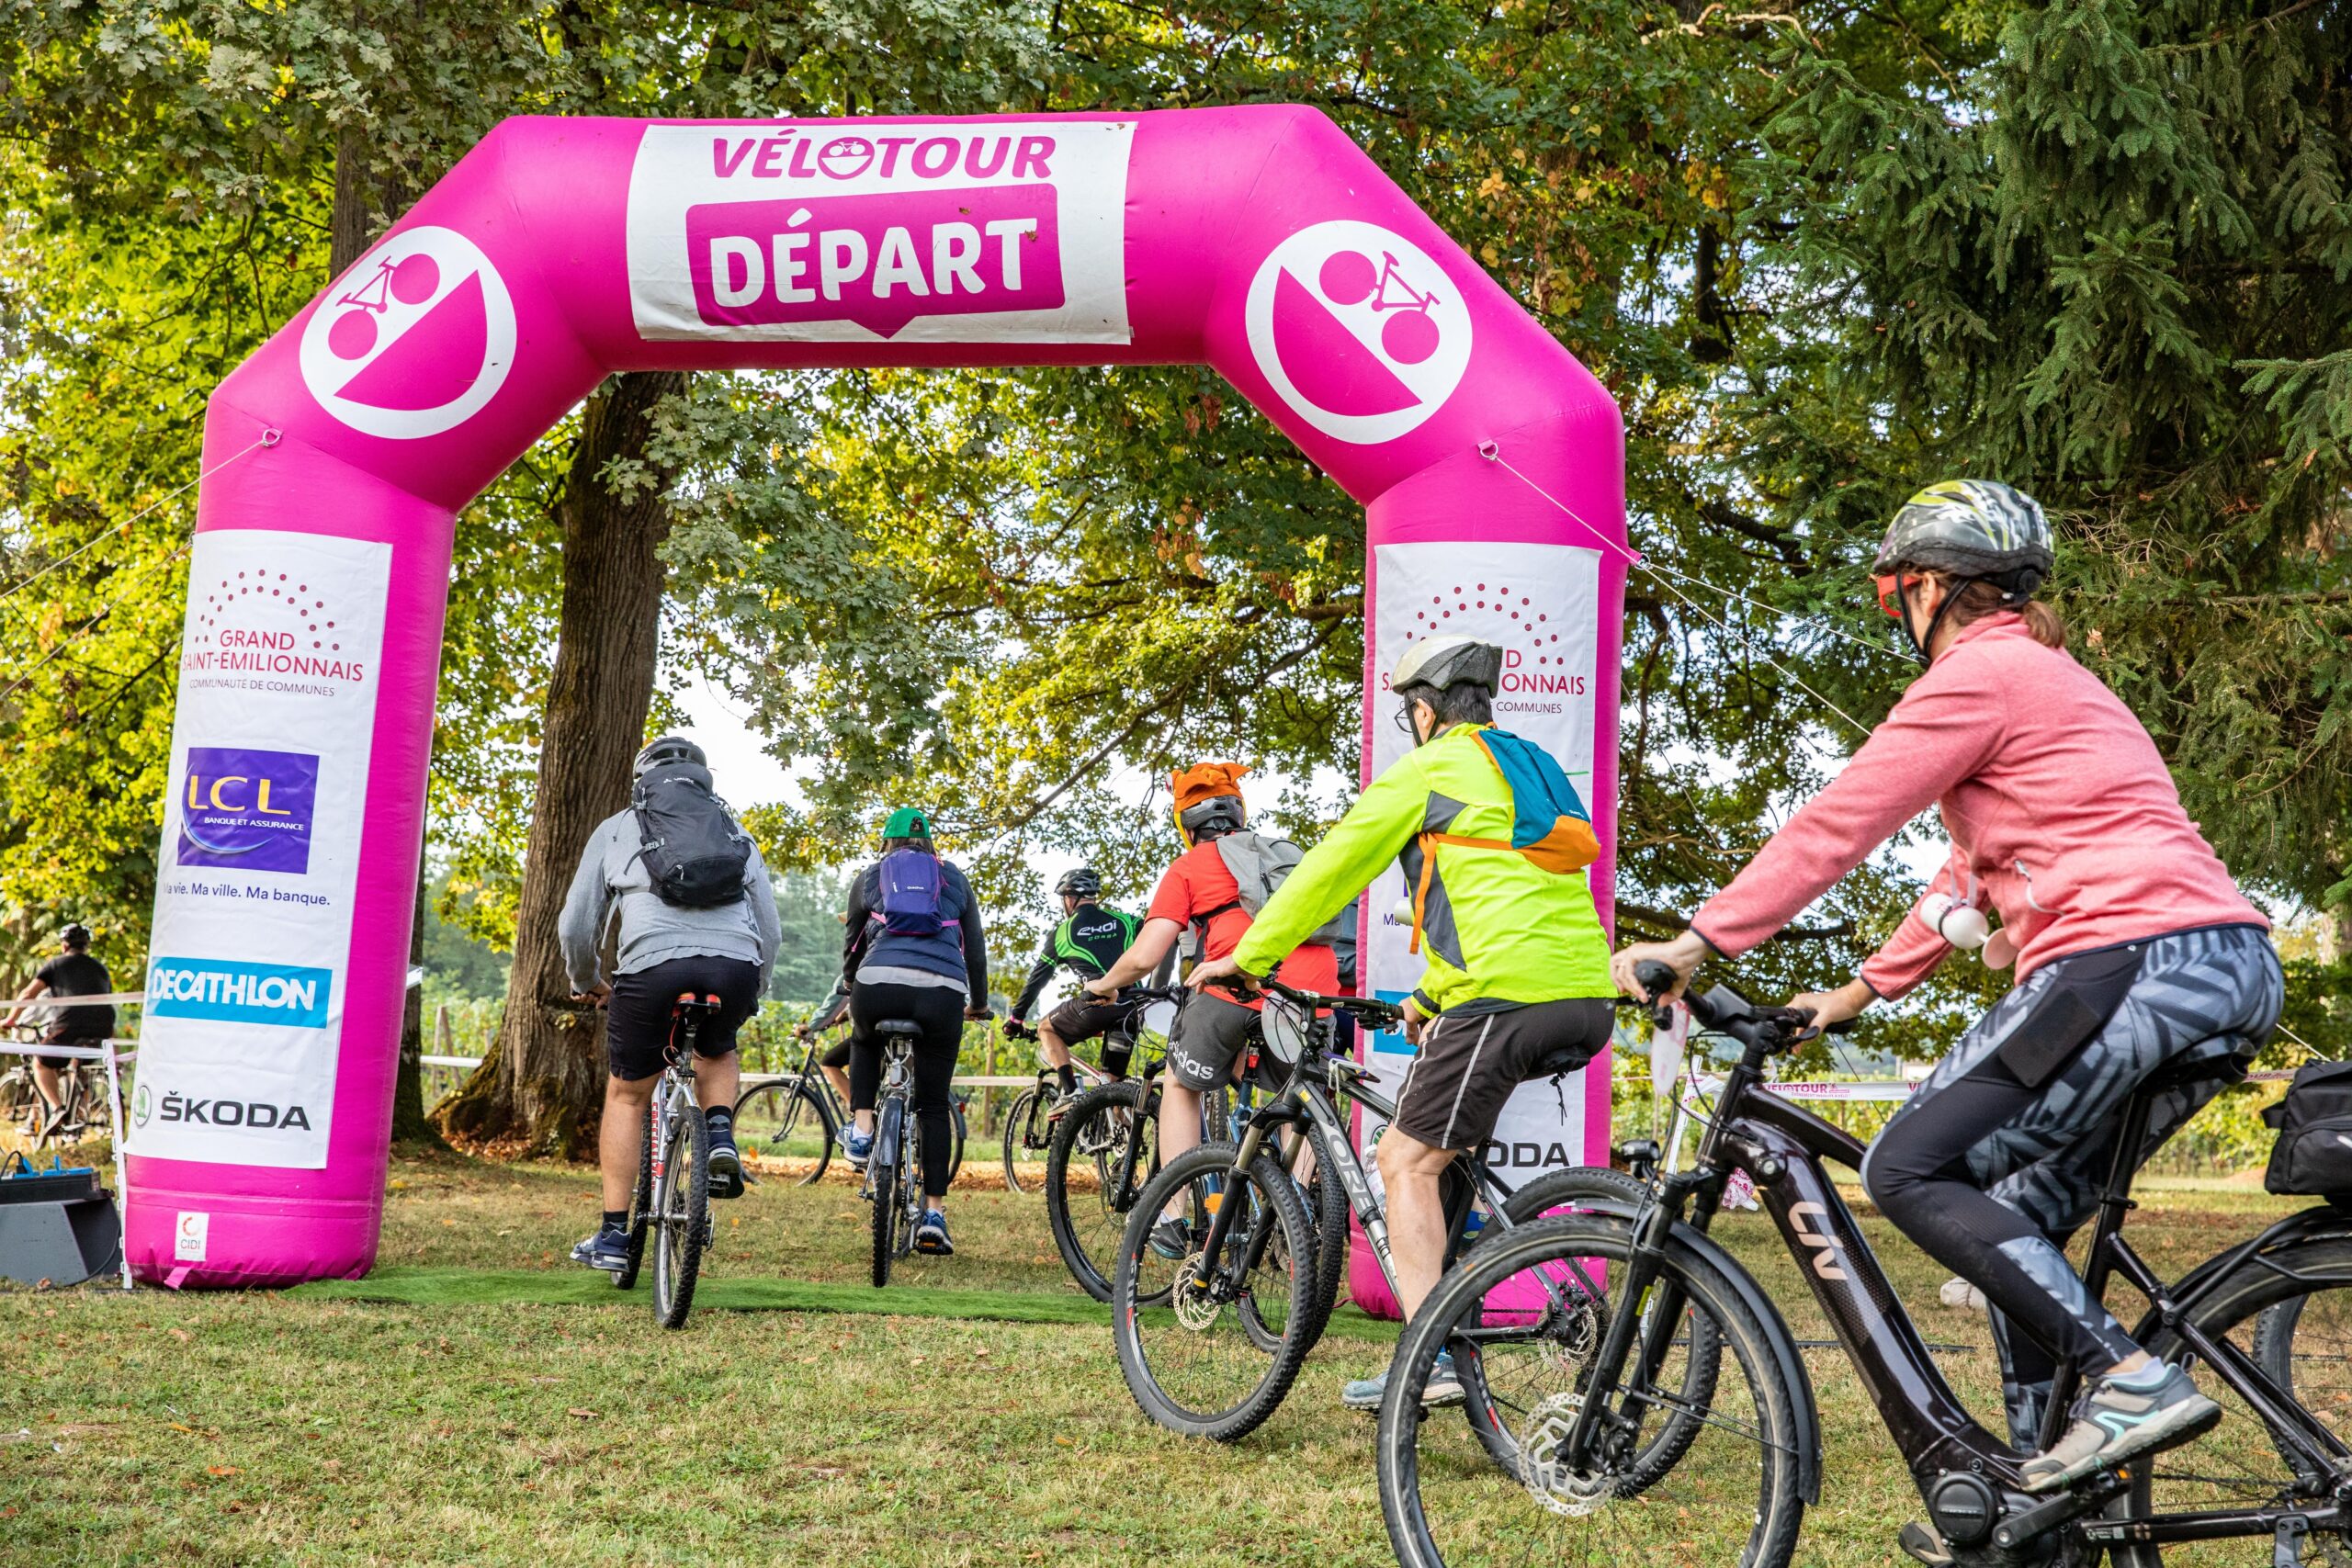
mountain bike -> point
(671, 1206)
(1270, 1248)
(893, 1172)
(798, 1115)
(1105, 1146)
(81, 1113)
(1605, 1360)
(1029, 1124)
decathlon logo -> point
(230, 992)
(413, 340)
(1357, 329)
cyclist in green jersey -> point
(1494, 843)
(1089, 940)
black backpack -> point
(2313, 1154)
(694, 850)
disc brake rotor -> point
(1550, 1483)
(1197, 1309)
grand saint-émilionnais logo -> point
(247, 809)
(1534, 663)
(260, 622)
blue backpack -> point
(912, 893)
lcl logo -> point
(1801, 1218)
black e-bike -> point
(1604, 1365)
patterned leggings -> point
(1998, 1159)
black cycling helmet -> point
(1448, 658)
(75, 936)
(669, 749)
(1080, 882)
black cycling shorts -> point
(636, 1015)
(1087, 1016)
(60, 1063)
(838, 1057)
(1470, 1064)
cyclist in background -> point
(2135, 952)
(834, 1063)
(914, 950)
(73, 972)
(1089, 941)
(633, 951)
(1201, 895)
(1494, 841)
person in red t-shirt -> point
(1217, 1024)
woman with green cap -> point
(913, 949)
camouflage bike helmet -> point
(1975, 530)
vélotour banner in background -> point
(1541, 604)
(269, 769)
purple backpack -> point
(912, 893)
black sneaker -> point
(2117, 1421)
(932, 1234)
(607, 1249)
(1171, 1239)
(726, 1165)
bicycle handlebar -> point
(1369, 1009)
(1772, 1030)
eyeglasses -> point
(1890, 593)
(1405, 721)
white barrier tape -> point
(50, 1001)
(76, 1053)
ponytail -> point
(1977, 599)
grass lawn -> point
(210, 1428)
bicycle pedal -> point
(2090, 1492)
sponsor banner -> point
(1540, 604)
(278, 668)
(1007, 231)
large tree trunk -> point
(364, 202)
(541, 1087)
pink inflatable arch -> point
(1259, 241)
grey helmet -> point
(1980, 529)
(1448, 658)
(669, 749)
(1080, 882)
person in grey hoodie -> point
(633, 953)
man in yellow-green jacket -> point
(1494, 843)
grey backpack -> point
(1260, 864)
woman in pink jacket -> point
(2134, 951)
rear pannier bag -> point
(2313, 1154)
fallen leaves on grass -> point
(222, 1470)
(581, 1411)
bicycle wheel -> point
(2299, 1336)
(882, 1188)
(1107, 1140)
(641, 1207)
(1194, 1365)
(1734, 1499)
(786, 1118)
(1326, 1201)
(682, 1207)
(1023, 1127)
(1496, 1408)
(956, 1155)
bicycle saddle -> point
(897, 1026)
